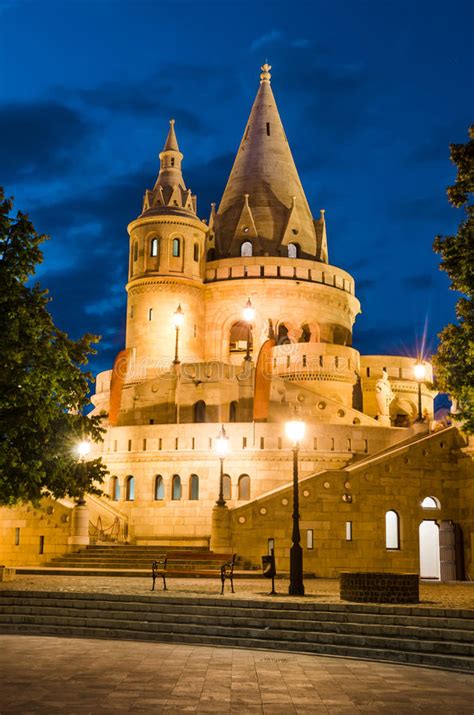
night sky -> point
(371, 94)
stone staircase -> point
(412, 635)
(131, 560)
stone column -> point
(79, 527)
(220, 530)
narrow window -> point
(349, 445)
(195, 331)
(233, 411)
(321, 361)
(392, 530)
(246, 249)
(315, 442)
(271, 546)
(152, 421)
(176, 487)
(194, 487)
(154, 247)
(172, 161)
(244, 442)
(196, 252)
(268, 129)
(135, 251)
(176, 247)
(332, 444)
(304, 360)
(144, 445)
(199, 411)
(41, 545)
(227, 487)
(280, 443)
(159, 488)
(115, 445)
(17, 536)
(150, 313)
(368, 372)
(262, 442)
(131, 311)
(193, 443)
(130, 488)
(244, 487)
(129, 445)
(176, 442)
(366, 445)
(348, 530)
(309, 538)
(160, 443)
(115, 489)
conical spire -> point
(264, 188)
(170, 193)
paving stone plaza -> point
(45, 674)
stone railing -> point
(314, 361)
(268, 267)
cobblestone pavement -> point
(433, 595)
(78, 676)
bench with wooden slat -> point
(214, 565)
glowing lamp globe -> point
(249, 312)
(222, 443)
(83, 449)
(419, 371)
(178, 317)
(295, 431)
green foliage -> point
(43, 390)
(454, 360)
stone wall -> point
(380, 587)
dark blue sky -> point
(371, 93)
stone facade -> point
(173, 385)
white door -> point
(429, 550)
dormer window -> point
(293, 250)
(246, 249)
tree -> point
(454, 360)
(43, 390)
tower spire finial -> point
(265, 75)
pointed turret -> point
(264, 201)
(170, 193)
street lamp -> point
(249, 315)
(178, 319)
(295, 432)
(222, 447)
(83, 449)
(419, 371)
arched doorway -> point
(429, 550)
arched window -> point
(282, 337)
(246, 249)
(244, 487)
(194, 487)
(239, 334)
(227, 486)
(199, 411)
(172, 161)
(430, 503)
(176, 487)
(233, 411)
(176, 247)
(154, 247)
(392, 530)
(115, 489)
(135, 251)
(130, 488)
(305, 336)
(211, 254)
(196, 252)
(159, 488)
(293, 250)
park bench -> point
(212, 564)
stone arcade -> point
(377, 487)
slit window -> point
(17, 536)
(135, 251)
(176, 247)
(154, 247)
(268, 129)
(41, 545)
(150, 313)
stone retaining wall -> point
(380, 587)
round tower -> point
(166, 270)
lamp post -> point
(295, 432)
(249, 315)
(178, 319)
(83, 449)
(419, 371)
(222, 447)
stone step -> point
(262, 622)
(346, 649)
(213, 573)
(430, 639)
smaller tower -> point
(167, 244)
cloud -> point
(419, 282)
(40, 139)
(268, 38)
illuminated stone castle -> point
(242, 321)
